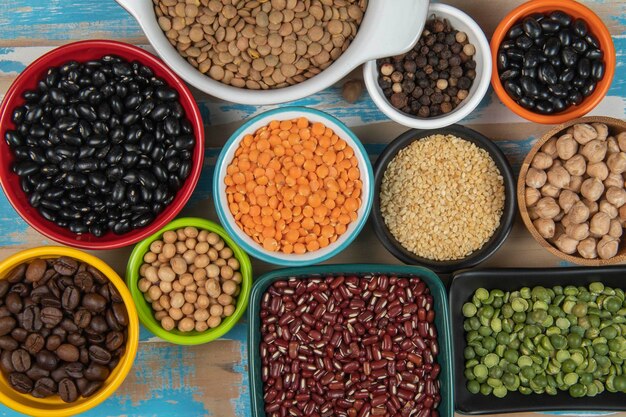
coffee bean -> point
(65, 265)
(95, 303)
(34, 343)
(99, 355)
(84, 281)
(51, 316)
(44, 387)
(47, 360)
(20, 382)
(71, 298)
(5, 361)
(20, 359)
(14, 276)
(87, 388)
(19, 334)
(14, 303)
(120, 313)
(67, 352)
(82, 318)
(35, 372)
(96, 372)
(114, 340)
(7, 324)
(74, 369)
(67, 390)
(8, 343)
(36, 270)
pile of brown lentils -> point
(435, 76)
(260, 44)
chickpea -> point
(202, 301)
(225, 299)
(229, 310)
(598, 170)
(229, 287)
(156, 306)
(169, 250)
(214, 321)
(187, 309)
(615, 229)
(216, 310)
(201, 326)
(160, 315)
(545, 227)
(212, 238)
(165, 286)
(176, 313)
(181, 248)
(237, 277)
(142, 269)
(550, 147)
(154, 292)
(201, 315)
(169, 236)
(202, 247)
(202, 235)
(166, 274)
(233, 263)
(191, 296)
(220, 262)
(177, 300)
(149, 257)
(180, 235)
(212, 271)
(199, 274)
(186, 325)
(168, 323)
(566, 244)
(213, 288)
(143, 285)
(226, 253)
(189, 256)
(177, 286)
(608, 247)
(164, 300)
(213, 254)
(156, 246)
(219, 245)
(536, 178)
(202, 261)
(191, 232)
(191, 243)
(178, 264)
(226, 272)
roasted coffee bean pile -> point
(434, 77)
(550, 62)
(101, 145)
(62, 328)
(347, 346)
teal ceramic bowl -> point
(146, 314)
(246, 242)
(442, 321)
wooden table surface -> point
(212, 380)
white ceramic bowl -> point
(245, 241)
(459, 21)
(385, 30)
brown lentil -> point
(183, 285)
(442, 197)
(426, 81)
(296, 40)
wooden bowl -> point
(615, 126)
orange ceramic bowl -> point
(596, 27)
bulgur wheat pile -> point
(442, 197)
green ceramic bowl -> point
(144, 309)
(442, 321)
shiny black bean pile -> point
(101, 145)
(549, 62)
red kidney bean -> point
(349, 347)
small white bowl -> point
(385, 30)
(461, 22)
(246, 242)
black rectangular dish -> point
(463, 286)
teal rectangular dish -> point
(442, 321)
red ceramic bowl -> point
(27, 80)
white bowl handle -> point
(393, 28)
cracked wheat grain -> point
(442, 197)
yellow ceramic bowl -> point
(53, 406)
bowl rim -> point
(598, 28)
(370, 76)
(14, 92)
(507, 218)
(145, 314)
(235, 231)
(132, 342)
(430, 278)
(521, 195)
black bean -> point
(597, 70)
(580, 27)
(579, 45)
(531, 27)
(569, 56)
(588, 88)
(552, 47)
(584, 68)
(550, 26)
(544, 107)
(594, 54)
